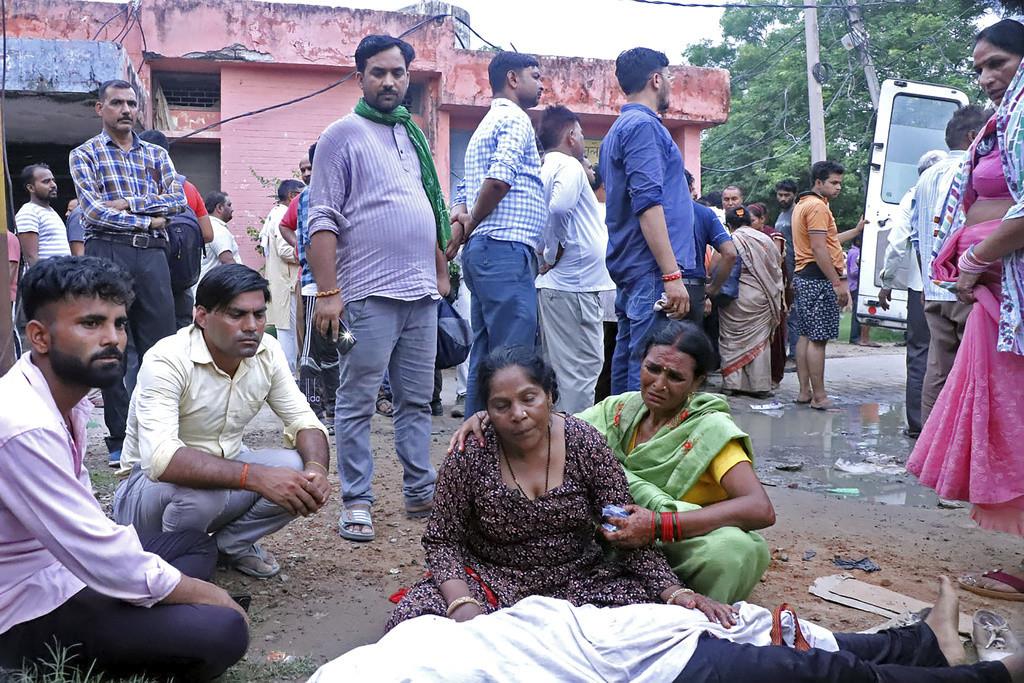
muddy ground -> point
(332, 595)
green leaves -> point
(766, 136)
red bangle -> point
(245, 475)
(665, 527)
(678, 275)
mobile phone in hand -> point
(346, 340)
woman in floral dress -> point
(517, 515)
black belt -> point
(136, 240)
(693, 281)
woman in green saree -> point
(684, 456)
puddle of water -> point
(868, 437)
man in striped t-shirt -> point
(377, 220)
(41, 231)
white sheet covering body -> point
(542, 639)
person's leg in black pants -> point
(905, 655)
(696, 293)
(190, 642)
(436, 409)
(318, 366)
(603, 389)
(918, 342)
(193, 553)
(151, 318)
(184, 304)
(854, 322)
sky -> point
(579, 28)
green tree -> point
(766, 137)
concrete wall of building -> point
(260, 151)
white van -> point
(911, 120)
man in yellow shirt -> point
(197, 390)
(820, 279)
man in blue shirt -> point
(649, 212)
(707, 229)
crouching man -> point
(197, 391)
(73, 581)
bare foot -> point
(822, 405)
(943, 621)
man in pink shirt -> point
(127, 603)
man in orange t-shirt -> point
(820, 278)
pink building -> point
(200, 62)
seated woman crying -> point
(688, 465)
(515, 513)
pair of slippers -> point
(810, 404)
(992, 635)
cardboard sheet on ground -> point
(843, 589)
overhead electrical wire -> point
(105, 23)
(767, 5)
(789, 149)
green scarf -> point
(662, 470)
(431, 185)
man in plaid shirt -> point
(499, 213)
(127, 188)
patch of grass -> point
(104, 479)
(247, 671)
(61, 667)
(878, 334)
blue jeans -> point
(501, 276)
(399, 337)
(634, 307)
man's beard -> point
(72, 370)
(385, 108)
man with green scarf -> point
(379, 225)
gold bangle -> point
(459, 602)
(675, 594)
(329, 292)
(314, 462)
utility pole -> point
(857, 39)
(815, 106)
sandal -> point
(778, 631)
(969, 582)
(353, 518)
(384, 406)
(992, 637)
(419, 510)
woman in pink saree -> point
(970, 448)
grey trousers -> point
(917, 358)
(572, 340)
(237, 519)
(946, 322)
(400, 337)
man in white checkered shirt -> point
(499, 214)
